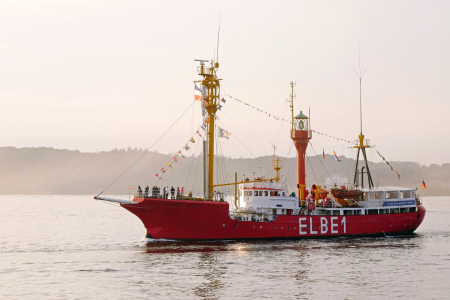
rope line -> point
(147, 149)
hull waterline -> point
(210, 220)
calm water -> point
(73, 247)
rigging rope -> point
(247, 149)
(321, 162)
(284, 120)
(147, 149)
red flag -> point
(156, 175)
(424, 185)
(131, 187)
(223, 100)
(323, 153)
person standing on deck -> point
(166, 196)
(182, 190)
(178, 193)
(172, 193)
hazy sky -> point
(95, 75)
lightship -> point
(263, 207)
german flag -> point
(424, 185)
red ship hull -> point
(208, 220)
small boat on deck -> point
(344, 193)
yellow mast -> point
(212, 99)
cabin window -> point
(249, 193)
(256, 193)
(374, 196)
(283, 193)
(403, 210)
(347, 212)
(242, 193)
(246, 193)
(260, 193)
(272, 193)
(266, 193)
(372, 212)
(335, 212)
(384, 211)
(405, 194)
(391, 195)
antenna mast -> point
(361, 143)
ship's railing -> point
(327, 203)
(159, 195)
(251, 216)
(418, 200)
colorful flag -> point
(323, 155)
(203, 127)
(424, 185)
(198, 94)
(186, 147)
(169, 165)
(398, 175)
(175, 159)
(179, 152)
(219, 107)
(223, 100)
(131, 187)
(224, 133)
(163, 170)
(207, 121)
(192, 140)
(336, 157)
(199, 133)
(156, 175)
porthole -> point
(253, 226)
(212, 224)
(202, 223)
(295, 227)
(260, 226)
(289, 227)
(179, 204)
(235, 225)
(274, 227)
(193, 205)
(223, 225)
(281, 227)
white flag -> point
(224, 133)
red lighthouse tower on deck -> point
(300, 134)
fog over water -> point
(73, 247)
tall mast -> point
(211, 98)
(292, 104)
(361, 143)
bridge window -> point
(249, 193)
(384, 211)
(260, 193)
(405, 194)
(246, 193)
(374, 196)
(391, 195)
(256, 193)
(266, 193)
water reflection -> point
(212, 274)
